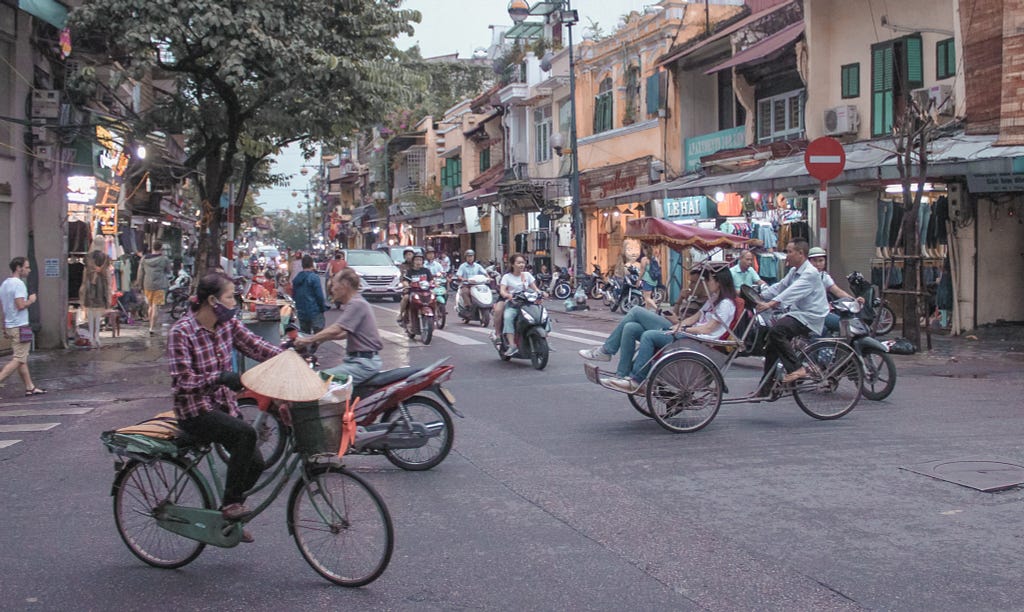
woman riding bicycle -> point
(199, 350)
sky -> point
(449, 26)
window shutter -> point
(881, 89)
(653, 93)
(913, 59)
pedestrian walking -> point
(15, 300)
(309, 298)
(154, 277)
(333, 267)
(95, 290)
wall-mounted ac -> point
(937, 97)
(841, 120)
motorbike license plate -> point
(448, 395)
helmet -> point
(430, 249)
(409, 250)
(469, 252)
(816, 252)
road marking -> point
(28, 427)
(394, 309)
(56, 411)
(571, 338)
(394, 337)
(6, 443)
(588, 332)
(455, 338)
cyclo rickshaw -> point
(685, 385)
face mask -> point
(223, 313)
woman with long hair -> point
(516, 280)
(711, 322)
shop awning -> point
(964, 155)
(53, 13)
(764, 50)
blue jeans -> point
(311, 325)
(628, 332)
(359, 368)
(650, 343)
(509, 319)
(831, 323)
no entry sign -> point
(825, 158)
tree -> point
(442, 84)
(250, 77)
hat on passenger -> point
(816, 252)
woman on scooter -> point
(504, 314)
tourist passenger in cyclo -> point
(651, 333)
(203, 383)
(357, 325)
(802, 294)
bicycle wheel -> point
(835, 384)
(341, 526)
(639, 403)
(140, 490)
(683, 393)
(270, 437)
(885, 320)
(432, 415)
(879, 375)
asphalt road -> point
(557, 496)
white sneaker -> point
(595, 354)
(622, 384)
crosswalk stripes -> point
(6, 443)
(27, 427)
(35, 427)
(588, 332)
(44, 412)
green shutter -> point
(945, 59)
(913, 61)
(881, 89)
(653, 93)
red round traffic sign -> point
(825, 158)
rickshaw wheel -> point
(684, 393)
(640, 404)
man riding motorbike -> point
(432, 263)
(403, 270)
(803, 294)
(469, 268)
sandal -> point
(35, 391)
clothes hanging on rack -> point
(884, 223)
(79, 237)
(941, 215)
(894, 225)
(76, 270)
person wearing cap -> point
(819, 259)
(743, 273)
(802, 294)
(446, 263)
(467, 269)
(403, 269)
(356, 325)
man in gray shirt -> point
(802, 293)
(357, 325)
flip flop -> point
(35, 391)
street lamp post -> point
(518, 10)
(309, 218)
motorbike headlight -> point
(543, 315)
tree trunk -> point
(912, 250)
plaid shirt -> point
(197, 357)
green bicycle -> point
(166, 504)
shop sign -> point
(995, 183)
(699, 146)
(106, 216)
(111, 158)
(692, 206)
(82, 189)
(605, 182)
(51, 268)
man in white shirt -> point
(802, 293)
(15, 299)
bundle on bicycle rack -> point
(154, 436)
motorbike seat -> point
(385, 377)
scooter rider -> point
(469, 268)
(818, 259)
(803, 293)
(403, 270)
(432, 263)
(504, 313)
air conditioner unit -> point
(937, 97)
(841, 120)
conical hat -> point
(286, 376)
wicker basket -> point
(317, 427)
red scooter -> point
(419, 316)
(402, 414)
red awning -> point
(658, 231)
(763, 50)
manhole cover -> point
(980, 473)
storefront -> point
(605, 216)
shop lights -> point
(913, 187)
(755, 195)
(720, 196)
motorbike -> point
(419, 316)
(402, 414)
(625, 293)
(879, 367)
(481, 301)
(441, 295)
(532, 325)
(178, 294)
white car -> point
(378, 275)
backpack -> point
(654, 270)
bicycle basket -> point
(317, 427)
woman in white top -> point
(710, 323)
(505, 314)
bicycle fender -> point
(868, 342)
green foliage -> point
(436, 87)
(243, 79)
